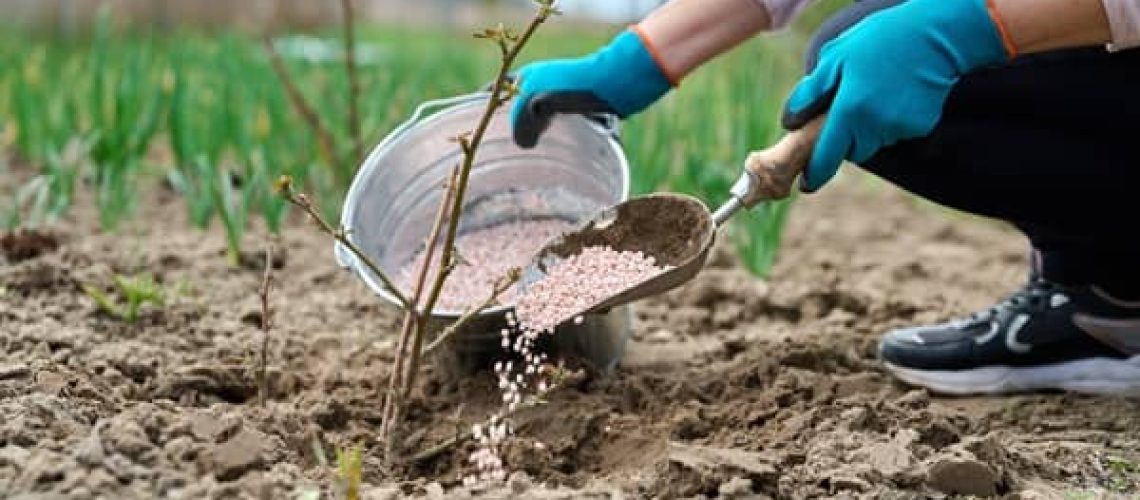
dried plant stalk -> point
(416, 318)
(325, 141)
(263, 292)
(284, 188)
(353, 81)
(469, 146)
(411, 315)
(504, 284)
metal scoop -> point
(677, 230)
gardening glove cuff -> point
(622, 78)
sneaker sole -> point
(1104, 376)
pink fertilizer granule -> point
(485, 257)
(580, 281)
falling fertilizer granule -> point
(485, 256)
(571, 285)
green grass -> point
(135, 292)
(118, 112)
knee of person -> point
(840, 22)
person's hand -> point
(886, 78)
(621, 78)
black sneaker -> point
(1044, 336)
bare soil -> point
(732, 387)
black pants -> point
(1049, 142)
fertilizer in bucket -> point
(485, 256)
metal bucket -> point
(577, 169)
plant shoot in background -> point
(134, 292)
(226, 125)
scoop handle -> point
(774, 170)
(769, 173)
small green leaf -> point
(350, 469)
(103, 301)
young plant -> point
(126, 108)
(350, 470)
(1122, 473)
(133, 293)
(30, 205)
(231, 211)
(411, 343)
(510, 44)
(757, 234)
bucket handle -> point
(427, 106)
(344, 258)
(609, 123)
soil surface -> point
(732, 386)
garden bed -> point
(731, 385)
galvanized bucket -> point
(577, 169)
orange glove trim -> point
(673, 79)
(1006, 40)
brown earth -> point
(732, 387)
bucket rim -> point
(345, 257)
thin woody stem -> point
(324, 138)
(305, 204)
(353, 82)
(464, 174)
(502, 286)
(262, 372)
(411, 317)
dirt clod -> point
(128, 438)
(26, 244)
(737, 487)
(89, 452)
(13, 456)
(238, 455)
(13, 370)
(708, 469)
(962, 476)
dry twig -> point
(284, 187)
(411, 315)
(325, 140)
(353, 82)
(469, 147)
(504, 284)
(416, 319)
(263, 370)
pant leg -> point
(1050, 143)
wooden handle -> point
(775, 169)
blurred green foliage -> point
(206, 115)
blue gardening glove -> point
(621, 78)
(886, 78)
